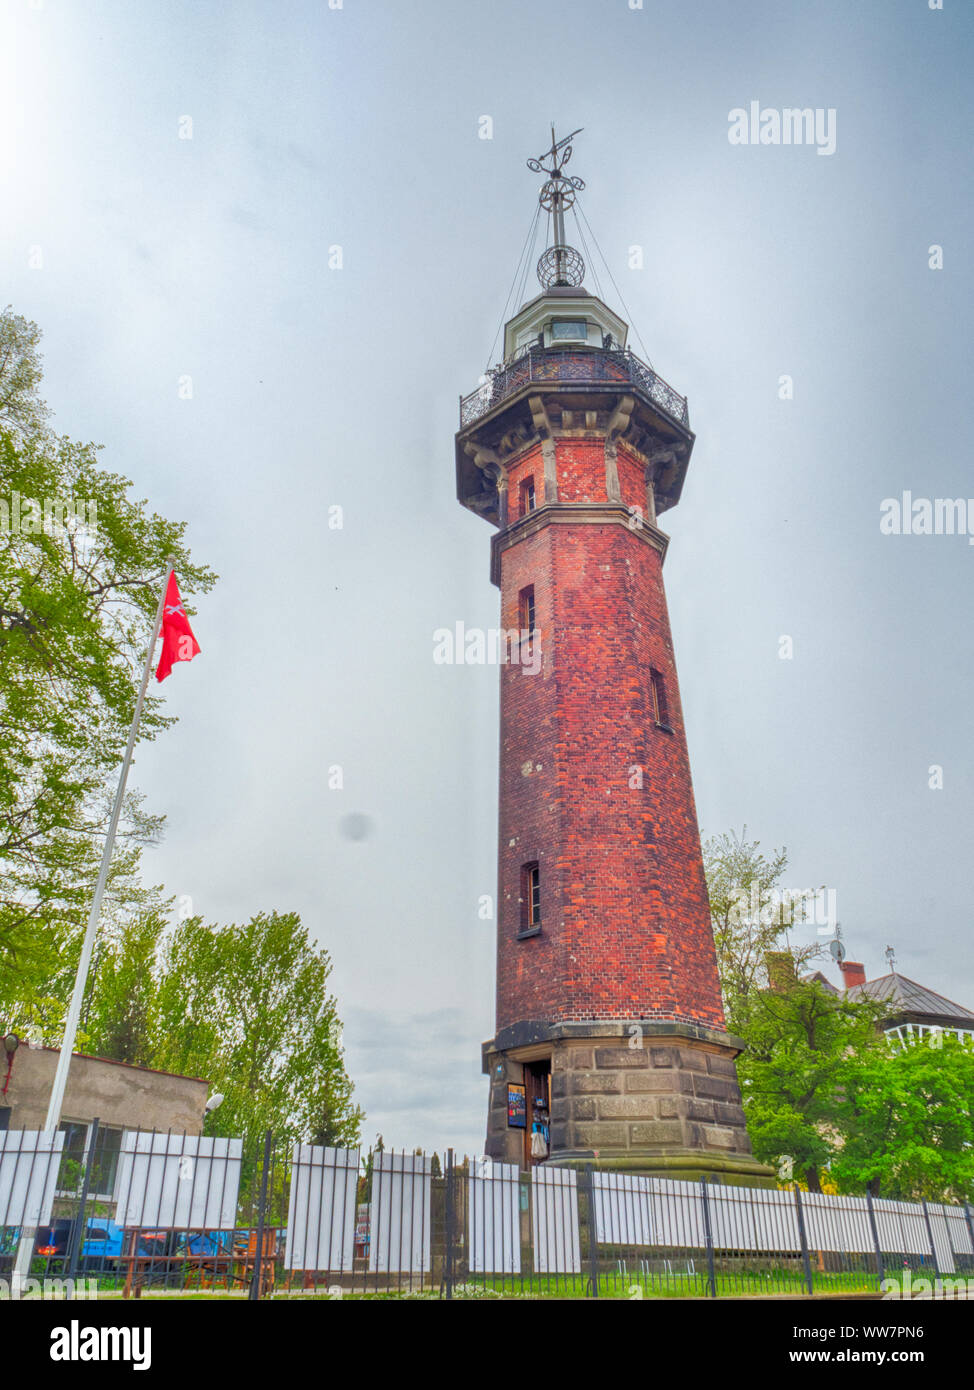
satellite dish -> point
(838, 950)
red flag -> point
(178, 642)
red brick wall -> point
(625, 921)
(632, 480)
(529, 465)
(581, 470)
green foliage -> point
(21, 411)
(246, 1007)
(120, 1016)
(748, 918)
(823, 1088)
(906, 1115)
(800, 1042)
(77, 602)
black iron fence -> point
(139, 1212)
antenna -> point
(560, 264)
(836, 948)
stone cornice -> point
(531, 1032)
(574, 514)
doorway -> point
(537, 1089)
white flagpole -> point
(26, 1248)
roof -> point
(132, 1066)
(907, 997)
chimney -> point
(853, 973)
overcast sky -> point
(148, 258)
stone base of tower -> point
(655, 1098)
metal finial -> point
(891, 957)
(560, 264)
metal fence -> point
(594, 366)
(172, 1214)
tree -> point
(906, 1116)
(750, 915)
(801, 1042)
(21, 410)
(247, 1007)
(796, 1033)
(821, 1084)
(119, 1019)
(80, 568)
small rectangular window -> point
(658, 693)
(527, 496)
(526, 613)
(530, 899)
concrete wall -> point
(119, 1095)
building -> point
(913, 1010)
(611, 1043)
(118, 1095)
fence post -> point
(76, 1234)
(259, 1254)
(933, 1248)
(708, 1232)
(970, 1227)
(801, 1231)
(875, 1229)
(449, 1222)
(588, 1185)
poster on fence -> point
(554, 1221)
(493, 1217)
(186, 1181)
(321, 1209)
(29, 1164)
(399, 1235)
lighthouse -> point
(610, 1043)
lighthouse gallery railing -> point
(567, 364)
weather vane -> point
(560, 264)
(891, 957)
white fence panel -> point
(400, 1217)
(958, 1230)
(187, 1181)
(753, 1218)
(321, 1208)
(837, 1225)
(493, 1218)
(902, 1228)
(676, 1214)
(623, 1209)
(941, 1238)
(554, 1221)
(29, 1164)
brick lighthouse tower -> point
(611, 1043)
